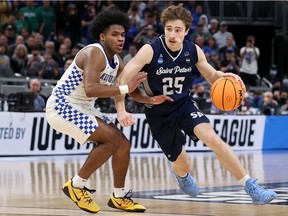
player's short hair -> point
(177, 13)
(105, 19)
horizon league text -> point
(236, 132)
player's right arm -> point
(143, 57)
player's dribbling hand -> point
(125, 119)
(237, 78)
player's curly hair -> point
(105, 19)
(177, 12)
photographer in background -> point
(146, 35)
(34, 60)
(249, 56)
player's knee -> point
(213, 141)
(120, 141)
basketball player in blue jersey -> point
(70, 110)
(169, 62)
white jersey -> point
(68, 106)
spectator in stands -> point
(274, 76)
(86, 20)
(4, 58)
(131, 33)
(48, 17)
(284, 107)
(39, 101)
(68, 42)
(39, 41)
(58, 39)
(68, 62)
(150, 20)
(213, 27)
(134, 14)
(19, 60)
(213, 45)
(62, 69)
(5, 9)
(146, 35)
(10, 34)
(285, 83)
(222, 34)
(62, 55)
(34, 61)
(201, 98)
(268, 106)
(50, 47)
(72, 23)
(214, 60)
(24, 32)
(200, 32)
(3, 39)
(49, 68)
(10, 22)
(60, 9)
(196, 16)
(11, 48)
(230, 42)
(108, 6)
(20, 23)
(30, 43)
(76, 49)
(280, 96)
(230, 63)
(15, 7)
(200, 42)
(249, 55)
(204, 20)
(32, 16)
(131, 53)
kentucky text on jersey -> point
(107, 77)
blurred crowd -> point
(39, 39)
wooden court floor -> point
(32, 185)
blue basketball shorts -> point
(169, 128)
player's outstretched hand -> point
(125, 119)
(159, 99)
(136, 80)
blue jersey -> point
(172, 76)
(168, 75)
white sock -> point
(184, 176)
(119, 192)
(79, 182)
(244, 179)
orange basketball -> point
(226, 94)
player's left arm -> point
(140, 96)
(209, 73)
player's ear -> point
(102, 37)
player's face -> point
(175, 33)
(114, 39)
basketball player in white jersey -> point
(70, 110)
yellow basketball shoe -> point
(81, 197)
(125, 203)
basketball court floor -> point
(32, 185)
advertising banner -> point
(30, 134)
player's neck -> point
(172, 53)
